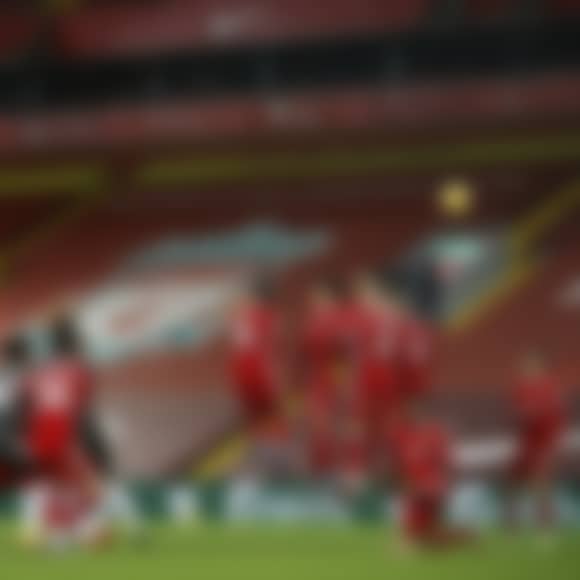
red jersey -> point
(330, 340)
(323, 343)
(414, 358)
(253, 339)
(57, 396)
(539, 409)
(375, 350)
(421, 458)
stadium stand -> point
(510, 328)
(19, 30)
(20, 217)
(125, 29)
(542, 102)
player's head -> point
(264, 290)
(388, 295)
(534, 362)
(365, 286)
(327, 290)
(64, 337)
(372, 288)
(15, 352)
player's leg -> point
(32, 502)
(425, 526)
(542, 488)
(445, 536)
(517, 481)
(93, 525)
(75, 510)
(511, 500)
(546, 510)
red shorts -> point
(373, 411)
(257, 400)
(323, 443)
(536, 454)
(422, 515)
(322, 453)
(534, 461)
(70, 465)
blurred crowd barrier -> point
(426, 109)
(103, 29)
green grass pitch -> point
(296, 553)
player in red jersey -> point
(376, 344)
(58, 397)
(324, 349)
(254, 346)
(421, 461)
(538, 408)
(415, 357)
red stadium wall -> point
(117, 29)
(19, 30)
